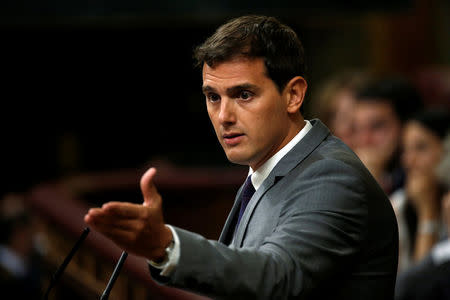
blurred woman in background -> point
(418, 204)
(430, 278)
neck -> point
(291, 132)
(297, 123)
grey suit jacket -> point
(319, 227)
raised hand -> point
(136, 228)
(423, 192)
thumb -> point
(148, 188)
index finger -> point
(123, 209)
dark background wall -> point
(104, 85)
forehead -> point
(414, 129)
(234, 72)
(370, 110)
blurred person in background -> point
(430, 278)
(20, 264)
(335, 102)
(418, 204)
(382, 107)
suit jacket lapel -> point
(266, 185)
(293, 158)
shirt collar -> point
(261, 174)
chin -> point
(237, 159)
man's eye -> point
(245, 95)
(213, 97)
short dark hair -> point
(398, 91)
(435, 119)
(256, 37)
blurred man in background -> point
(382, 107)
(335, 101)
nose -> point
(364, 137)
(227, 113)
(408, 159)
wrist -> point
(429, 226)
(161, 254)
(168, 266)
(428, 214)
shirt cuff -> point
(169, 266)
(441, 252)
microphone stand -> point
(66, 261)
(114, 276)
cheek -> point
(388, 138)
(271, 120)
(213, 119)
(272, 130)
(262, 130)
(405, 160)
(424, 162)
(431, 159)
(392, 135)
(384, 139)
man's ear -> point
(295, 91)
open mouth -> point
(232, 139)
(232, 135)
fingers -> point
(103, 221)
(134, 227)
(117, 213)
(148, 188)
(139, 235)
(123, 238)
(124, 210)
(115, 224)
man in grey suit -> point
(309, 223)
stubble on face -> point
(246, 109)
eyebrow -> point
(207, 88)
(233, 89)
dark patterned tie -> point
(247, 192)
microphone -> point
(66, 261)
(114, 276)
